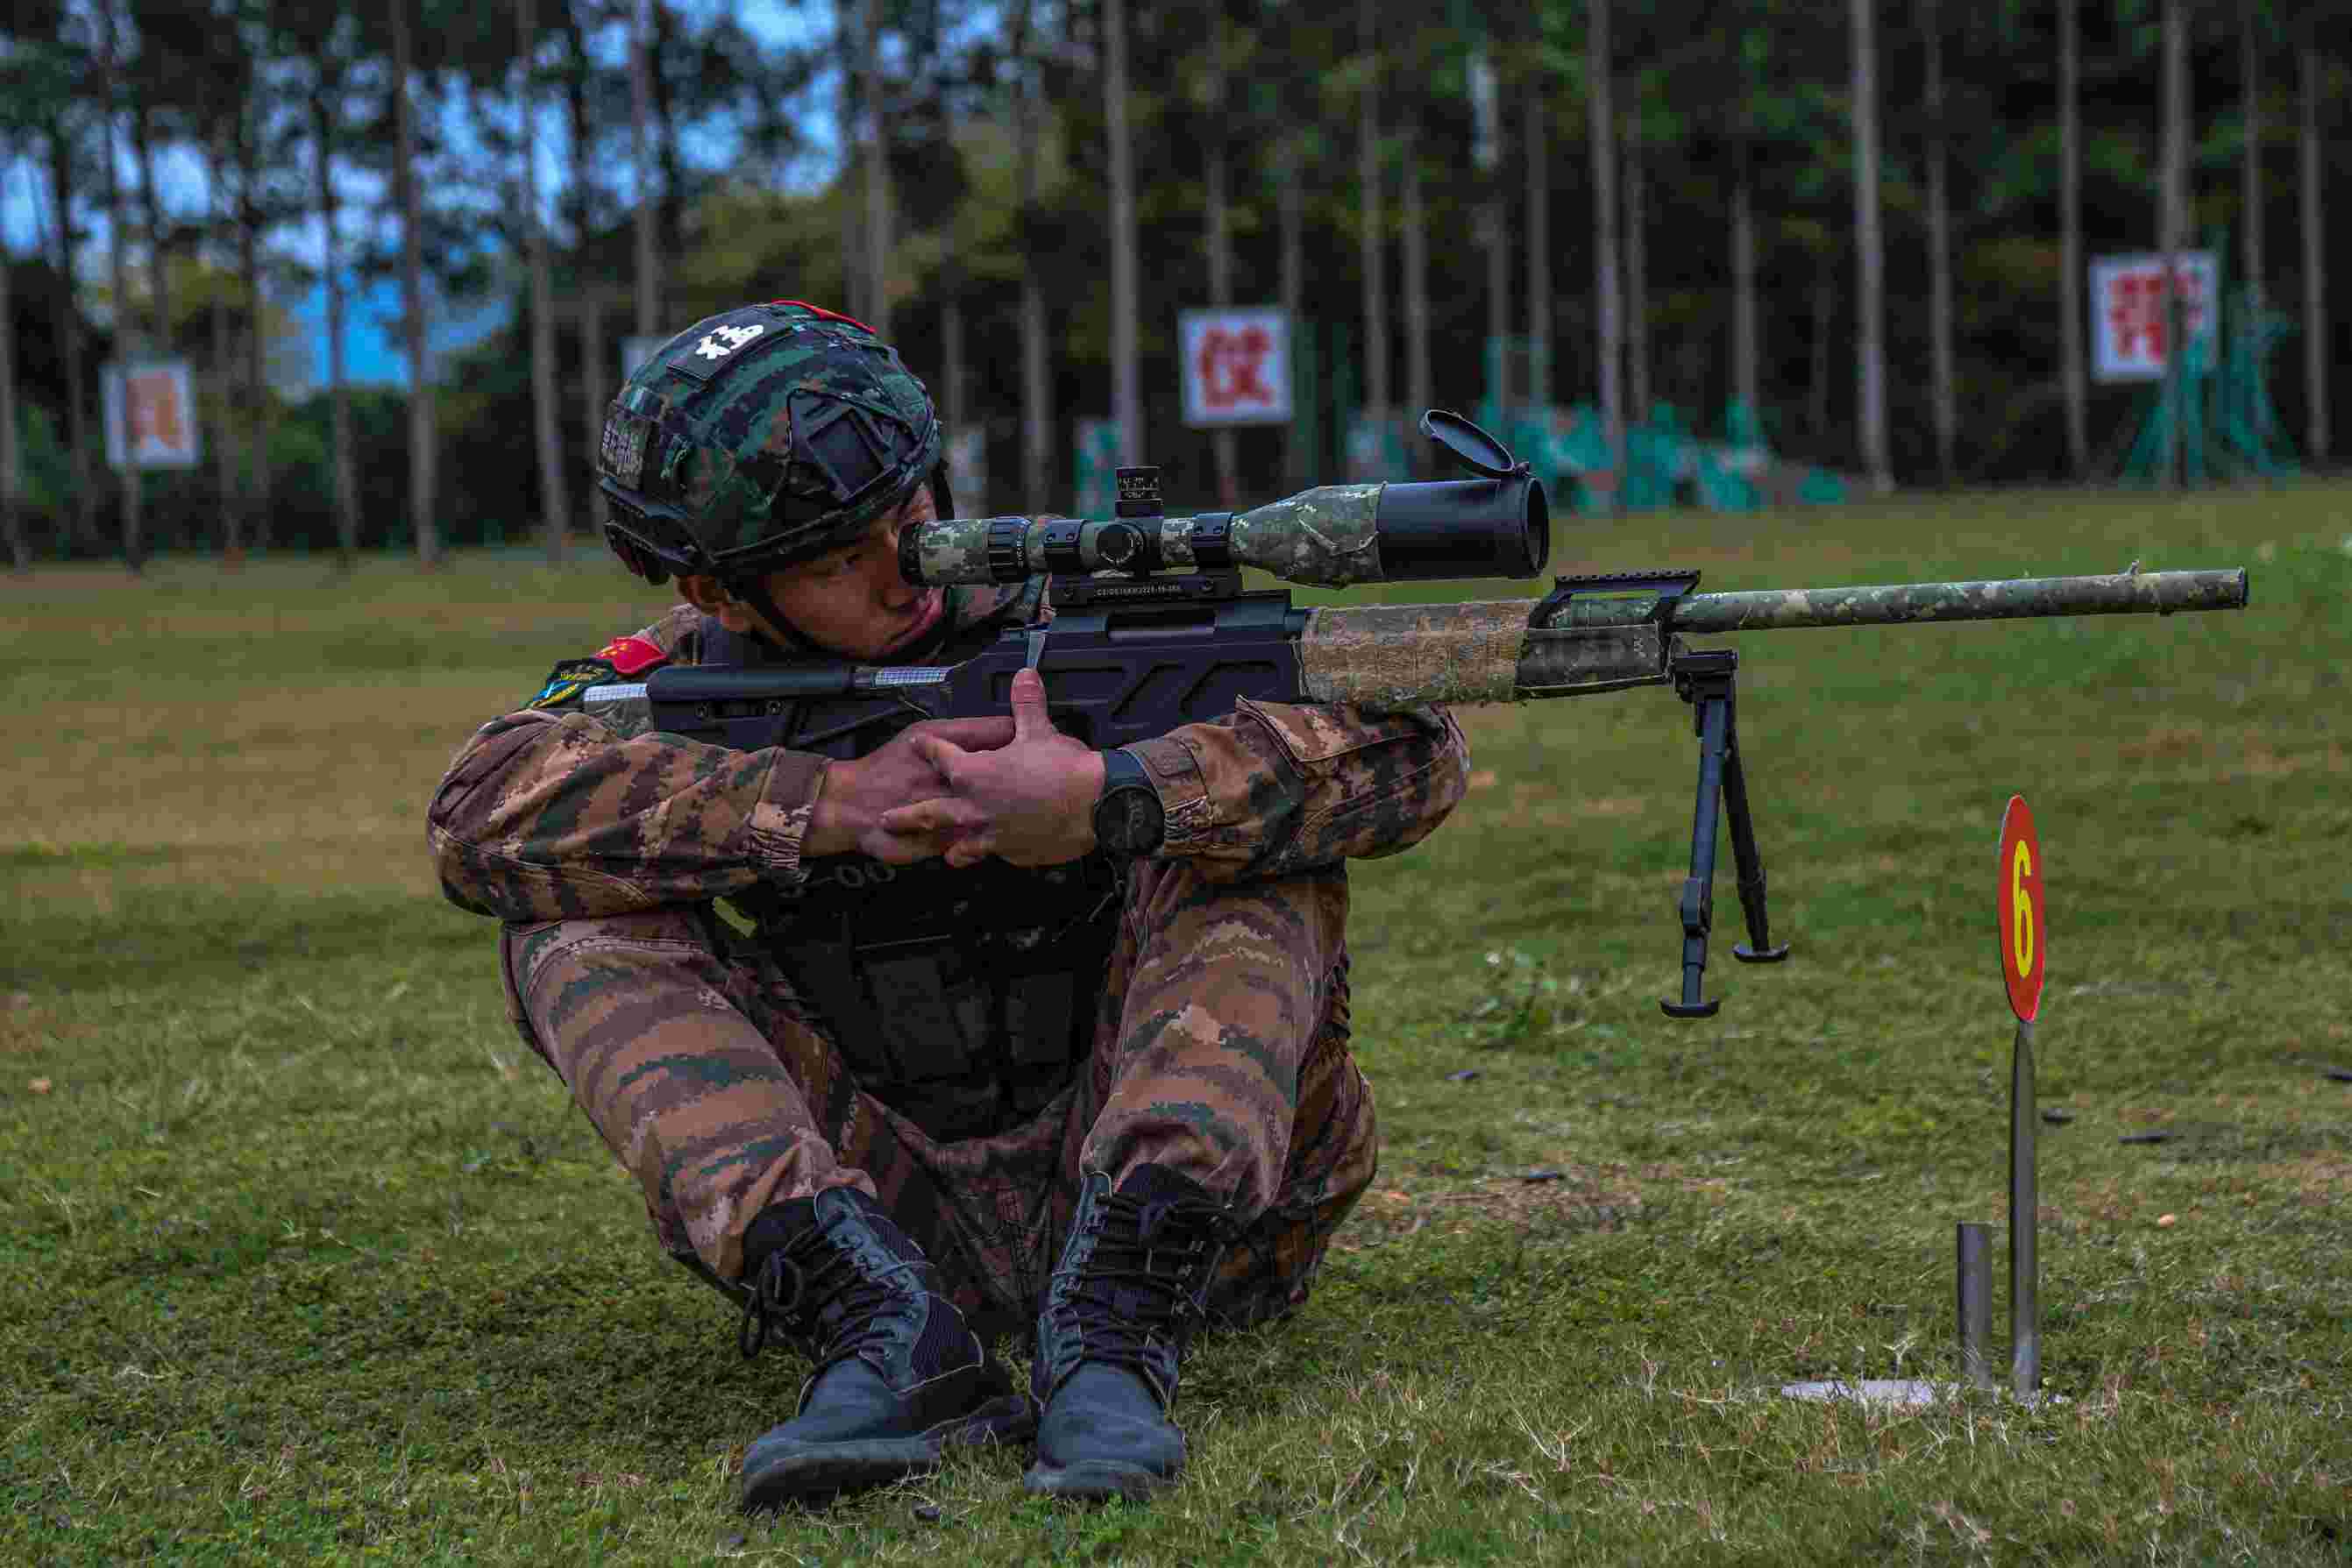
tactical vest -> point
(965, 1000)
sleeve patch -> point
(631, 655)
(570, 678)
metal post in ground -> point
(1975, 1303)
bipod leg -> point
(1704, 680)
(1759, 948)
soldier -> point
(1086, 1072)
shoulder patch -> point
(631, 655)
(569, 679)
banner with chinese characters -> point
(1236, 366)
(151, 414)
(2131, 311)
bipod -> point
(1704, 680)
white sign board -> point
(151, 414)
(1236, 366)
(2131, 311)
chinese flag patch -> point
(631, 655)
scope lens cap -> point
(1472, 447)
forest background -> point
(1868, 222)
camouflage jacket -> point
(550, 812)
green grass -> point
(305, 1256)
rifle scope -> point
(1495, 525)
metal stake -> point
(1976, 1303)
(2024, 1215)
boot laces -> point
(1151, 1267)
(813, 1293)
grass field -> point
(305, 1258)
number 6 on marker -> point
(2019, 911)
(2021, 903)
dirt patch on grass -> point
(2318, 1178)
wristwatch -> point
(1129, 821)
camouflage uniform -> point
(1220, 1042)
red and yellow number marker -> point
(2017, 907)
(2024, 928)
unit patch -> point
(569, 679)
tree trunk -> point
(2173, 219)
(1223, 444)
(955, 409)
(1639, 390)
(1290, 217)
(2251, 86)
(1939, 255)
(1494, 224)
(855, 273)
(1747, 353)
(590, 277)
(12, 462)
(1824, 299)
(1370, 242)
(2073, 282)
(125, 334)
(1036, 386)
(422, 518)
(223, 379)
(670, 237)
(2315, 267)
(1870, 385)
(82, 510)
(256, 382)
(1127, 383)
(347, 511)
(1415, 218)
(1599, 73)
(1541, 299)
(641, 108)
(554, 514)
(879, 239)
(159, 285)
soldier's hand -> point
(1028, 802)
(858, 795)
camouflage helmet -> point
(761, 437)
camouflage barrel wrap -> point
(1391, 658)
(950, 550)
(1328, 536)
(1895, 604)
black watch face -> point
(1129, 821)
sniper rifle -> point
(1150, 628)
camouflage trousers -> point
(1221, 1050)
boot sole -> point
(1096, 1482)
(814, 1474)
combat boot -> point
(898, 1375)
(1131, 1286)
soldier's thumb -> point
(1030, 721)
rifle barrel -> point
(2121, 593)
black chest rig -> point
(966, 1000)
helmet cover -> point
(759, 437)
